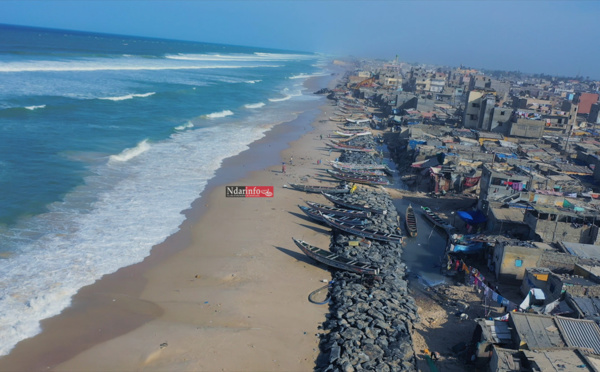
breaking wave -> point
(254, 105)
(185, 126)
(280, 99)
(35, 107)
(220, 114)
(128, 96)
(130, 153)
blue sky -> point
(556, 37)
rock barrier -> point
(371, 320)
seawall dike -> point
(371, 319)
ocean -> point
(106, 139)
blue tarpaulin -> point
(413, 143)
(471, 248)
(472, 217)
(507, 156)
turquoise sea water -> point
(104, 140)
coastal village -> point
(505, 167)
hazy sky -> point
(556, 37)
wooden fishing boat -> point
(316, 215)
(353, 129)
(356, 178)
(340, 120)
(360, 171)
(349, 148)
(348, 145)
(436, 220)
(367, 180)
(330, 209)
(341, 189)
(358, 120)
(347, 139)
(361, 207)
(335, 260)
(338, 164)
(364, 232)
(411, 221)
(348, 134)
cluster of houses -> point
(526, 150)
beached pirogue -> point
(342, 147)
(437, 220)
(358, 206)
(351, 166)
(411, 221)
(363, 232)
(329, 209)
(318, 216)
(341, 189)
(334, 260)
(357, 178)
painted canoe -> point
(319, 189)
(349, 148)
(347, 134)
(316, 215)
(367, 180)
(329, 209)
(335, 260)
(363, 232)
(411, 221)
(436, 220)
(361, 207)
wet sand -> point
(227, 292)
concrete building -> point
(551, 224)
(527, 128)
(437, 85)
(478, 109)
(510, 261)
(500, 186)
(586, 100)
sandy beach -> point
(228, 292)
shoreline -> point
(123, 303)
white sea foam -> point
(280, 99)
(305, 76)
(138, 205)
(252, 81)
(220, 114)
(255, 57)
(35, 107)
(288, 94)
(254, 105)
(128, 96)
(185, 126)
(121, 65)
(130, 153)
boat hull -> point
(411, 222)
(316, 215)
(334, 260)
(318, 189)
(363, 232)
(326, 209)
(342, 203)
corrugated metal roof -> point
(537, 331)
(580, 333)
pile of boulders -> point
(371, 318)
